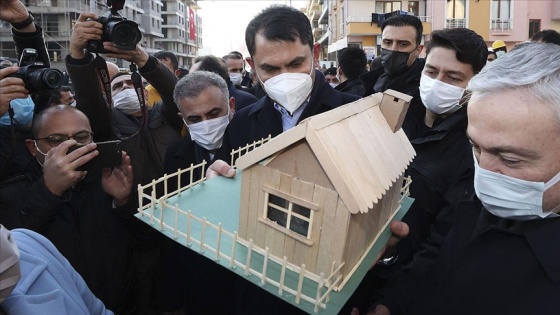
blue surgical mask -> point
(23, 112)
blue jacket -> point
(48, 284)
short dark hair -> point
(279, 22)
(166, 54)
(405, 20)
(352, 61)
(213, 64)
(331, 71)
(470, 48)
(233, 56)
(547, 36)
(55, 95)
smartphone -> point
(109, 156)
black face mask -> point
(394, 62)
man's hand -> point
(139, 56)
(118, 182)
(11, 88)
(220, 168)
(59, 169)
(13, 11)
(399, 230)
(85, 29)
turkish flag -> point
(192, 24)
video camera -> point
(117, 29)
(36, 76)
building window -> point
(289, 215)
(501, 9)
(387, 6)
(534, 27)
(413, 8)
(456, 9)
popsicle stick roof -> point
(359, 152)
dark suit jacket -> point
(262, 119)
(487, 265)
(242, 98)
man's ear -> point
(419, 50)
(31, 146)
(177, 72)
(250, 62)
(232, 104)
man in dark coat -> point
(504, 242)
(84, 214)
(206, 107)
(352, 63)
(401, 44)
(280, 42)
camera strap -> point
(103, 74)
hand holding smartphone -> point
(110, 155)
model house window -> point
(287, 213)
(387, 6)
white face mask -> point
(440, 97)
(509, 197)
(333, 85)
(209, 134)
(126, 101)
(289, 89)
(10, 272)
(236, 78)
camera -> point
(36, 76)
(117, 29)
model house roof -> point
(354, 144)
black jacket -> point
(261, 119)
(242, 98)
(489, 265)
(442, 173)
(82, 225)
(355, 87)
(407, 83)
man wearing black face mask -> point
(400, 48)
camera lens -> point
(52, 79)
(43, 79)
(124, 33)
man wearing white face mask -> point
(280, 42)
(501, 256)
(206, 108)
(442, 171)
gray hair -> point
(194, 83)
(532, 66)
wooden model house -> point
(306, 211)
(321, 192)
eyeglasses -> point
(82, 137)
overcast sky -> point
(224, 23)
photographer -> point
(146, 143)
(14, 156)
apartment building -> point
(341, 23)
(165, 24)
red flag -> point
(192, 24)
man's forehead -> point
(406, 32)
(121, 78)
(57, 121)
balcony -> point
(501, 24)
(456, 23)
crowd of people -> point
(479, 238)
